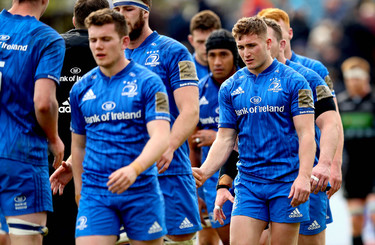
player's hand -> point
(222, 195)
(202, 210)
(320, 181)
(61, 177)
(335, 179)
(121, 179)
(204, 137)
(300, 190)
(199, 177)
(165, 160)
(57, 149)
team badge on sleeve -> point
(329, 82)
(187, 70)
(305, 98)
(162, 104)
(322, 92)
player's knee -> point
(185, 239)
(23, 228)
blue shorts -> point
(268, 202)
(3, 224)
(208, 194)
(181, 203)
(320, 215)
(139, 210)
(24, 188)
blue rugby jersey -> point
(175, 66)
(202, 70)
(316, 66)
(29, 50)
(261, 108)
(208, 107)
(320, 91)
(113, 113)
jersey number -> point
(2, 63)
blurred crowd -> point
(326, 30)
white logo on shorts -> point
(81, 223)
(185, 224)
(20, 202)
(315, 225)
(155, 228)
(295, 214)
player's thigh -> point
(284, 233)
(158, 241)
(35, 218)
(224, 232)
(318, 239)
(96, 240)
(246, 230)
(208, 236)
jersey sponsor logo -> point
(81, 223)
(73, 78)
(187, 70)
(4, 37)
(256, 100)
(155, 228)
(130, 89)
(113, 116)
(75, 70)
(305, 98)
(239, 90)
(203, 101)
(20, 202)
(65, 107)
(153, 58)
(315, 225)
(295, 214)
(275, 85)
(14, 47)
(186, 224)
(322, 92)
(259, 109)
(217, 110)
(209, 120)
(89, 95)
(161, 102)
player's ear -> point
(74, 22)
(191, 39)
(282, 44)
(125, 40)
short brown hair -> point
(108, 16)
(275, 27)
(84, 8)
(205, 20)
(275, 14)
(249, 25)
(355, 62)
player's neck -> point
(288, 53)
(25, 9)
(146, 32)
(116, 68)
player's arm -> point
(78, 153)
(336, 175)
(46, 112)
(188, 105)
(121, 179)
(218, 154)
(304, 125)
(195, 154)
(325, 113)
